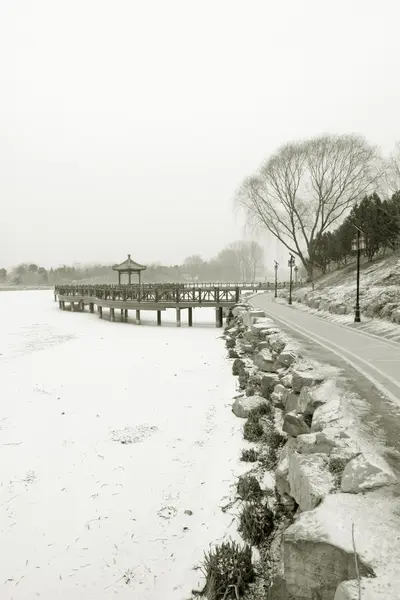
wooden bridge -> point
(154, 297)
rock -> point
(294, 424)
(306, 443)
(264, 361)
(309, 479)
(327, 415)
(341, 310)
(379, 588)
(291, 402)
(257, 329)
(247, 348)
(286, 358)
(318, 553)
(286, 380)
(268, 383)
(307, 377)
(239, 310)
(277, 342)
(262, 345)
(244, 404)
(249, 316)
(279, 395)
(319, 395)
(366, 472)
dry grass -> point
(248, 488)
(256, 523)
(228, 570)
(249, 455)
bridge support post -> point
(218, 316)
(126, 314)
(72, 306)
(138, 317)
(237, 294)
(159, 317)
(100, 312)
(122, 314)
(91, 307)
(112, 314)
(60, 304)
(190, 316)
(178, 317)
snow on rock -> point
(318, 547)
(309, 479)
(250, 315)
(277, 342)
(243, 405)
(327, 415)
(264, 361)
(294, 424)
(366, 472)
(307, 377)
(319, 395)
(286, 379)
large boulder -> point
(306, 377)
(319, 551)
(327, 415)
(265, 361)
(268, 383)
(395, 316)
(366, 472)
(244, 404)
(319, 395)
(294, 424)
(309, 479)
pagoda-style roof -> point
(129, 266)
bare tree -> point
(393, 170)
(241, 260)
(303, 189)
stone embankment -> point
(340, 535)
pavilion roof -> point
(129, 265)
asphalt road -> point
(371, 364)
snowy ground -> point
(83, 515)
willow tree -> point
(306, 187)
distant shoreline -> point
(21, 288)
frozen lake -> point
(109, 432)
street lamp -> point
(296, 270)
(291, 264)
(276, 278)
(357, 245)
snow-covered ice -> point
(118, 448)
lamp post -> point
(291, 264)
(357, 245)
(276, 278)
(296, 271)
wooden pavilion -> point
(129, 266)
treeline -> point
(239, 261)
(379, 220)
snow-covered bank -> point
(117, 450)
(341, 492)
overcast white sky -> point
(126, 125)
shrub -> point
(249, 455)
(256, 523)
(259, 411)
(248, 488)
(228, 570)
(336, 467)
(230, 342)
(232, 353)
(237, 366)
(252, 430)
